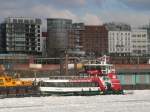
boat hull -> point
(17, 91)
(46, 91)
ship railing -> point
(66, 77)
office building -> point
(58, 33)
(119, 42)
(139, 42)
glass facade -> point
(58, 34)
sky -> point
(91, 12)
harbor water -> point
(133, 101)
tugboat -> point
(97, 78)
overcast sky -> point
(134, 12)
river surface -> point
(134, 101)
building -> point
(139, 42)
(20, 35)
(147, 27)
(117, 26)
(2, 40)
(43, 40)
(58, 33)
(119, 42)
(75, 43)
(128, 46)
(95, 40)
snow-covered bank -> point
(137, 102)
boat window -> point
(93, 67)
(83, 75)
(69, 84)
(105, 78)
(1, 81)
(103, 67)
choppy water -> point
(137, 102)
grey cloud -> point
(68, 3)
(16, 4)
(138, 4)
(79, 2)
(37, 8)
(135, 19)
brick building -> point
(95, 40)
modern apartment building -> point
(139, 42)
(58, 33)
(21, 35)
(119, 42)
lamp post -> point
(66, 62)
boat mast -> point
(66, 62)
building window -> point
(139, 35)
(15, 20)
(26, 21)
(20, 21)
(144, 35)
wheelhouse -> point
(104, 68)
